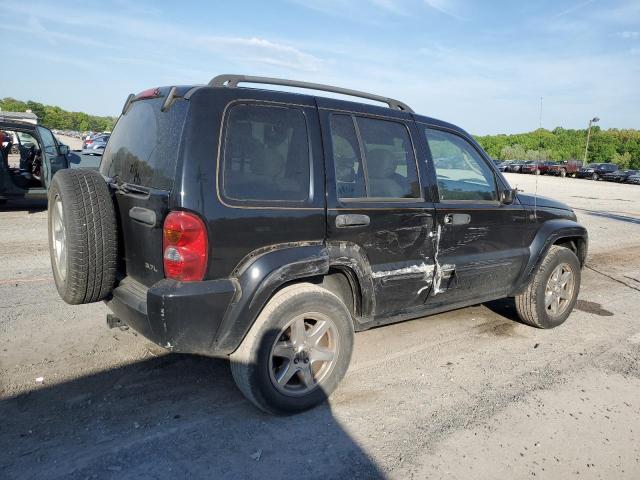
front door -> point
(480, 249)
(52, 159)
(376, 203)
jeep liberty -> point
(267, 227)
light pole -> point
(586, 149)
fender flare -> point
(258, 276)
(261, 273)
(548, 234)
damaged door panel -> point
(479, 239)
(376, 201)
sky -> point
(483, 65)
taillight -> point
(184, 245)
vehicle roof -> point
(323, 102)
(7, 124)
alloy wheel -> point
(59, 239)
(559, 290)
(303, 354)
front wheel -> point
(553, 291)
(297, 351)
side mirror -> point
(508, 196)
(64, 149)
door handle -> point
(457, 219)
(352, 220)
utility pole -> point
(540, 112)
(586, 148)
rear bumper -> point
(180, 316)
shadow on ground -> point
(175, 416)
(24, 204)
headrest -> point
(381, 163)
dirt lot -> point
(466, 394)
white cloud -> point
(250, 49)
(629, 35)
(448, 7)
(573, 8)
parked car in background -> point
(635, 179)
(503, 165)
(619, 175)
(39, 157)
(95, 146)
(565, 168)
(595, 171)
(537, 167)
(516, 166)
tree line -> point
(55, 117)
(621, 147)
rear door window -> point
(266, 154)
(143, 148)
(373, 158)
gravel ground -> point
(465, 394)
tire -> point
(531, 305)
(82, 236)
(255, 366)
(563, 173)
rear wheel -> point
(552, 294)
(82, 236)
(297, 351)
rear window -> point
(143, 147)
(266, 154)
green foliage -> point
(622, 160)
(55, 117)
(619, 146)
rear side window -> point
(373, 158)
(143, 148)
(266, 154)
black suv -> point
(595, 171)
(267, 227)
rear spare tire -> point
(82, 236)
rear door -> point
(52, 159)
(376, 201)
(480, 247)
(140, 161)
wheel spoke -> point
(285, 373)
(306, 375)
(548, 299)
(564, 279)
(283, 349)
(298, 332)
(319, 329)
(319, 354)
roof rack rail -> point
(231, 80)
